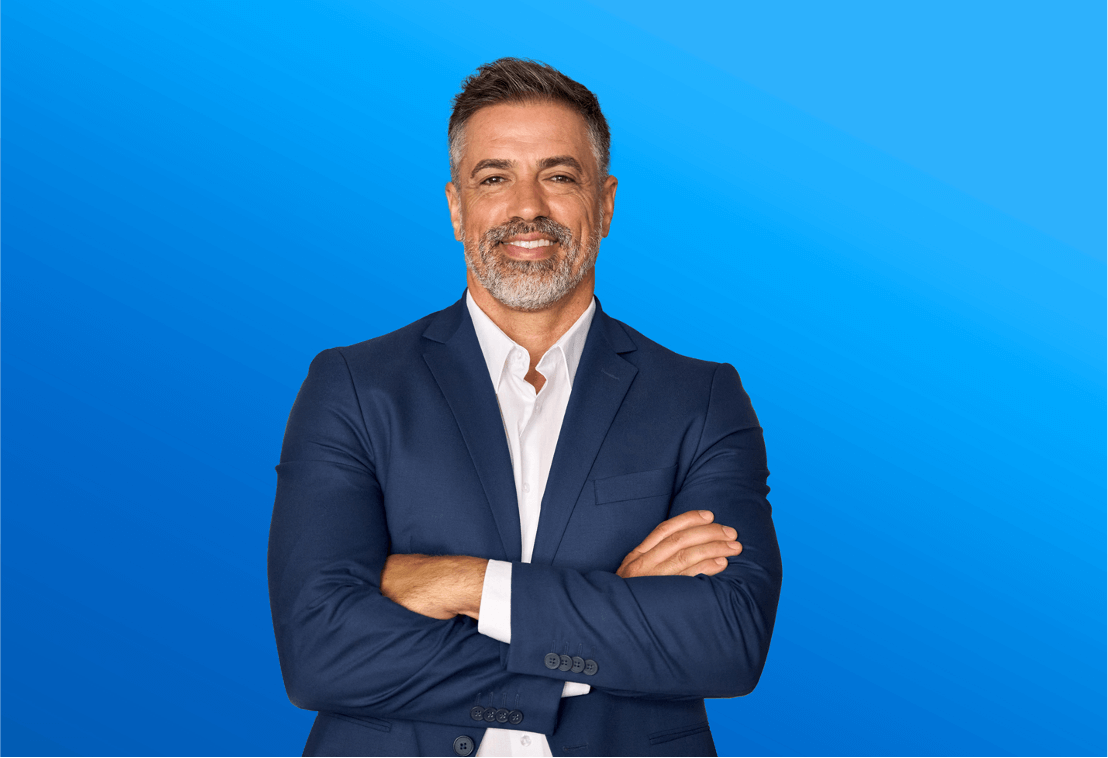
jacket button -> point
(477, 713)
(490, 714)
(463, 745)
(565, 663)
(502, 715)
(590, 667)
(552, 661)
(578, 664)
(515, 717)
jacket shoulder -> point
(649, 352)
(406, 337)
(393, 348)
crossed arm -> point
(442, 587)
(346, 646)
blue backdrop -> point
(890, 217)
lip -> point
(529, 254)
(531, 237)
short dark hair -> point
(515, 80)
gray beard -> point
(531, 285)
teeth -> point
(532, 244)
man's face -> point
(530, 208)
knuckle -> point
(693, 536)
(700, 537)
(674, 544)
(670, 543)
(709, 567)
(697, 553)
(710, 531)
(666, 567)
(663, 528)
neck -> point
(535, 331)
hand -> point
(439, 586)
(686, 545)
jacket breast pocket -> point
(637, 486)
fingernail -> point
(730, 532)
(721, 561)
(707, 515)
(734, 545)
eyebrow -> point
(497, 163)
(503, 165)
(560, 160)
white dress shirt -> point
(532, 423)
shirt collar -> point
(496, 345)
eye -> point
(490, 180)
(562, 179)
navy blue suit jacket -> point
(396, 445)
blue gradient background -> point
(889, 216)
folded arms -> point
(346, 646)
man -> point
(517, 526)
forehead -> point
(526, 132)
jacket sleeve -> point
(671, 636)
(343, 646)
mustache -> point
(541, 225)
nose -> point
(527, 200)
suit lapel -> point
(601, 382)
(455, 359)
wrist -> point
(467, 578)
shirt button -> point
(526, 487)
(525, 740)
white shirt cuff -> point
(495, 614)
(573, 689)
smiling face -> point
(530, 207)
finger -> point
(696, 535)
(710, 567)
(675, 524)
(688, 538)
(634, 555)
(682, 561)
(686, 558)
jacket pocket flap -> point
(614, 489)
(669, 735)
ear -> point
(608, 203)
(454, 200)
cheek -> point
(569, 214)
(477, 217)
(583, 210)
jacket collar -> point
(601, 382)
